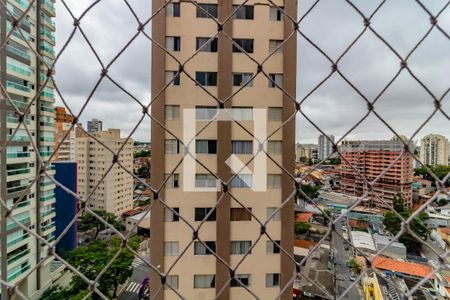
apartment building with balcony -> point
(434, 150)
(64, 136)
(370, 159)
(305, 152)
(222, 70)
(325, 146)
(24, 74)
(115, 192)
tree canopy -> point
(88, 221)
(90, 261)
(440, 171)
(393, 224)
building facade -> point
(325, 146)
(434, 150)
(305, 152)
(115, 192)
(221, 69)
(370, 159)
(66, 205)
(94, 125)
(24, 75)
(63, 124)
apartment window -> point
(171, 280)
(244, 12)
(245, 44)
(272, 279)
(274, 147)
(173, 181)
(242, 113)
(172, 112)
(274, 181)
(171, 248)
(242, 147)
(172, 146)
(242, 181)
(206, 45)
(204, 281)
(205, 112)
(200, 249)
(240, 214)
(206, 78)
(170, 216)
(201, 212)
(205, 181)
(276, 80)
(276, 14)
(275, 114)
(276, 216)
(173, 10)
(212, 10)
(173, 43)
(240, 247)
(274, 44)
(172, 78)
(206, 146)
(272, 248)
(245, 280)
(242, 79)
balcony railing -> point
(18, 52)
(18, 86)
(18, 171)
(18, 256)
(18, 273)
(17, 240)
(18, 155)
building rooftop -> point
(337, 198)
(363, 240)
(384, 240)
(408, 268)
(303, 217)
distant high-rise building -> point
(305, 152)
(23, 74)
(115, 192)
(94, 125)
(64, 145)
(325, 146)
(371, 158)
(223, 70)
(434, 150)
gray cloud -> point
(335, 107)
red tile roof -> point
(304, 243)
(408, 268)
(303, 217)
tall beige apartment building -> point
(229, 229)
(115, 192)
(434, 150)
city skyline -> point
(328, 104)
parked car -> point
(352, 276)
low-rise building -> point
(139, 222)
(363, 241)
(394, 249)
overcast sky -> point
(335, 107)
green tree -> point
(440, 171)
(92, 259)
(143, 171)
(142, 154)
(355, 266)
(442, 202)
(301, 227)
(88, 221)
(312, 191)
(334, 161)
(393, 224)
(398, 203)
